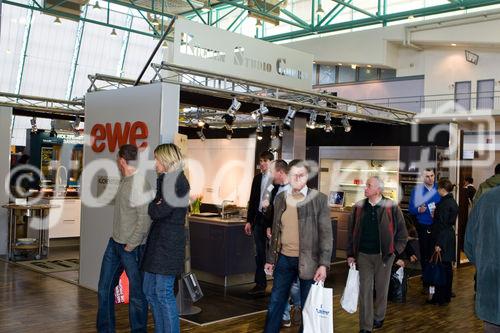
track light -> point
(273, 132)
(113, 33)
(201, 135)
(262, 110)
(328, 123)
(76, 124)
(312, 120)
(287, 122)
(235, 106)
(201, 123)
(280, 131)
(345, 123)
(34, 128)
(96, 5)
(57, 21)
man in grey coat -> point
(482, 245)
(301, 242)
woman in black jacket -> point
(165, 248)
(443, 230)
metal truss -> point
(254, 92)
(41, 104)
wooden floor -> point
(31, 302)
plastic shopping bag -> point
(317, 314)
(349, 300)
(398, 285)
(122, 290)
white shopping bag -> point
(317, 313)
(349, 300)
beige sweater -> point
(131, 221)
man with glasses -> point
(423, 200)
(301, 242)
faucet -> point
(224, 202)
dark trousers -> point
(285, 273)
(114, 261)
(260, 238)
(443, 293)
(491, 328)
(426, 244)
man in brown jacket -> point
(301, 242)
(376, 234)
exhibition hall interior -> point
(249, 166)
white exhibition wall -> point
(221, 169)
(5, 122)
(142, 107)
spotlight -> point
(263, 109)
(328, 123)
(76, 123)
(345, 123)
(280, 131)
(201, 135)
(235, 106)
(287, 123)
(312, 120)
(201, 123)
(34, 128)
(273, 132)
(260, 129)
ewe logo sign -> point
(222, 52)
(115, 135)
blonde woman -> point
(164, 254)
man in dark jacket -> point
(256, 221)
(482, 246)
(488, 184)
(301, 242)
(376, 234)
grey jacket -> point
(482, 246)
(315, 233)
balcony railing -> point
(446, 103)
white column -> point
(5, 123)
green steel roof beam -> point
(236, 19)
(258, 6)
(328, 15)
(76, 55)
(155, 32)
(362, 11)
(76, 18)
(440, 9)
(131, 4)
(252, 10)
(275, 6)
(340, 10)
(57, 4)
(196, 11)
(296, 18)
(240, 22)
(224, 16)
(24, 50)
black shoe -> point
(430, 301)
(257, 290)
(378, 323)
(364, 331)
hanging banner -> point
(202, 47)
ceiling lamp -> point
(206, 7)
(258, 23)
(320, 9)
(155, 22)
(328, 123)
(312, 120)
(96, 5)
(164, 45)
(57, 21)
(345, 123)
(113, 33)
(287, 123)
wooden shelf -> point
(367, 170)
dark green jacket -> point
(315, 232)
(485, 186)
(482, 247)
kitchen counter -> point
(221, 252)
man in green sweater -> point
(131, 224)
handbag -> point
(398, 285)
(349, 300)
(317, 314)
(434, 274)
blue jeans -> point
(295, 296)
(114, 261)
(159, 290)
(286, 272)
